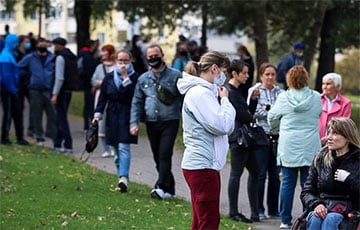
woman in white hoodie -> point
(208, 117)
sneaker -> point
(274, 215)
(157, 193)
(57, 149)
(23, 142)
(240, 217)
(262, 216)
(6, 142)
(285, 226)
(40, 143)
(169, 196)
(123, 184)
(69, 151)
(106, 154)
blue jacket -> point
(296, 113)
(145, 104)
(9, 71)
(41, 74)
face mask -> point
(129, 68)
(155, 62)
(139, 43)
(27, 46)
(300, 54)
(183, 53)
(41, 49)
(219, 81)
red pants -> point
(205, 198)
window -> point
(53, 36)
(6, 15)
(101, 37)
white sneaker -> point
(106, 154)
(157, 193)
(285, 226)
(169, 196)
(123, 184)
(41, 143)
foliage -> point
(45, 190)
(349, 69)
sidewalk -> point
(142, 170)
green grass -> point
(40, 189)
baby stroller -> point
(352, 222)
(91, 138)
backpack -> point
(72, 80)
(281, 76)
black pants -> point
(63, 132)
(241, 158)
(11, 109)
(162, 137)
(88, 111)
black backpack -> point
(72, 79)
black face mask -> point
(183, 53)
(41, 49)
(155, 62)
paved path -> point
(143, 171)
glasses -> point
(123, 60)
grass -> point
(40, 189)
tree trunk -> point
(204, 14)
(82, 14)
(327, 47)
(312, 39)
(260, 35)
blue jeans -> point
(330, 222)
(122, 159)
(287, 190)
(266, 159)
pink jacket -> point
(341, 108)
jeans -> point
(241, 158)
(122, 159)
(268, 168)
(287, 190)
(204, 187)
(63, 134)
(40, 101)
(162, 137)
(330, 222)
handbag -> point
(251, 136)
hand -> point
(95, 119)
(255, 94)
(223, 92)
(134, 130)
(53, 99)
(123, 71)
(341, 175)
(320, 211)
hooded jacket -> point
(296, 114)
(206, 124)
(9, 71)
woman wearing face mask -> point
(241, 156)
(116, 93)
(108, 65)
(208, 117)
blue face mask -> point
(27, 46)
(220, 80)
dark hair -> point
(297, 77)
(155, 46)
(206, 61)
(237, 66)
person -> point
(65, 63)
(288, 61)
(241, 156)
(181, 59)
(334, 172)
(116, 94)
(88, 65)
(157, 101)
(40, 66)
(193, 50)
(139, 61)
(107, 66)
(333, 103)
(295, 113)
(9, 79)
(266, 155)
(246, 57)
(208, 117)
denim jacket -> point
(146, 106)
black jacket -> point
(243, 111)
(321, 179)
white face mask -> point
(220, 80)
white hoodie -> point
(206, 124)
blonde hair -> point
(206, 61)
(345, 127)
(297, 77)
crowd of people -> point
(308, 133)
